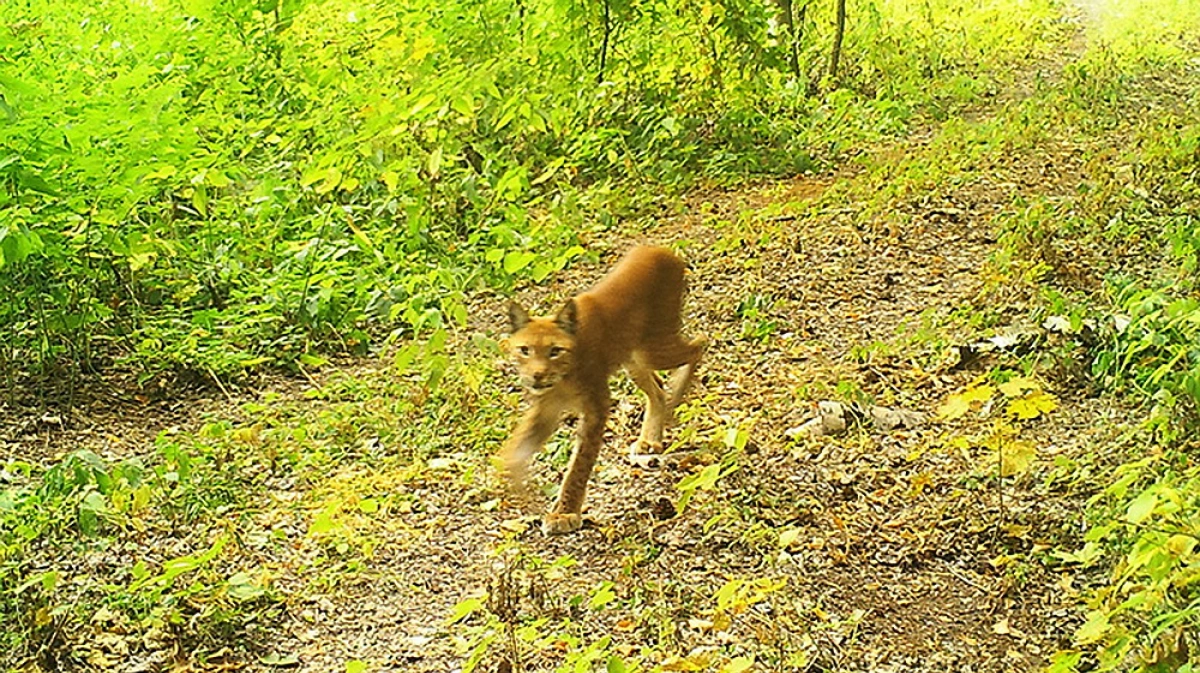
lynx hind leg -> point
(561, 524)
(681, 355)
(650, 440)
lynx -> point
(630, 319)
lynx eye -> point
(523, 350)
(556, 351)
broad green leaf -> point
(788, 537)
(422, 103)
(243, 588)
(281, 660)
(549, 172)
(1141, 507)
(463, 105)
(1065, 661)
(391, 179)
(696, 663)
(95, 502)
(517, 260)
(1181, 545)
(433, 165)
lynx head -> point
(542, 347)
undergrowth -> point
(210, 186)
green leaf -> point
(356, 666)
(615, 665)
(517, 260)
(276, 659)
(1142, 506)
(603, 596)
(95, 502)
(422, 103)
(35, 183)
(1016, 457)
(737, 665)
(243, 588)
(788, 537)
(322, 524)
(1065, 661)
(1094, 628)
(465, 608)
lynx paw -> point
(559, 524)
(644, 448)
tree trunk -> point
(839, 32)
(604, 44)
(786, 18)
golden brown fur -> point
(630, 319)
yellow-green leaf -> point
(1181, 545)
(737, 665)
(1141, 507)
(1093, 629)
(1033, 405)
(683, 664)
(603, 596)
(322, 523)
(1015, 457)
(1015, 387)
(958, 404)
(465, 607)
(391, 180)
(788, 537)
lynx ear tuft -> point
(518, 317)
(567, 318)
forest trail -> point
(889, 552)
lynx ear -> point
(518, 317)
(567, 318)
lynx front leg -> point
(530, 436)
(567, 515)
